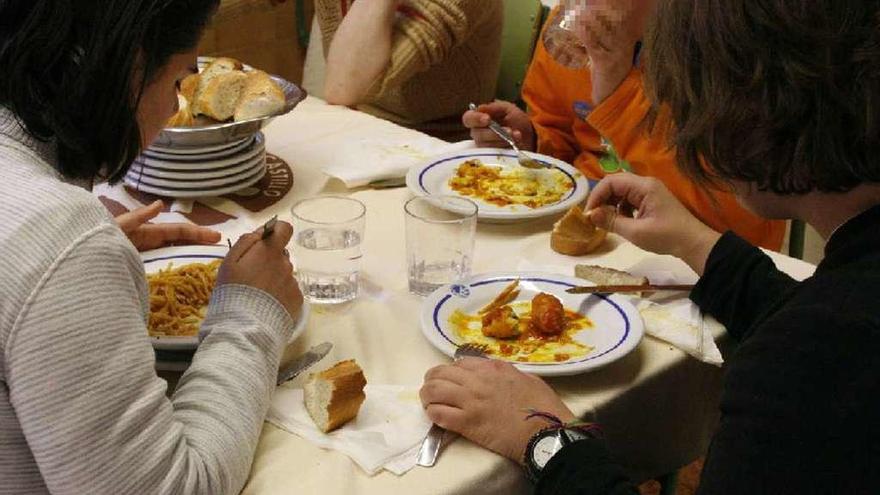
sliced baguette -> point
(219, 97)
(183, 117)
(189, 86)
(260, 97)
(601, 275)
(334, 396)
(221, 65)
(575, 235)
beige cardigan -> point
(445, 54)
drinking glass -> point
(560, 39)
(327, 233)
(439, 241)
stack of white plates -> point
(199, 171)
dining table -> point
(657, 406)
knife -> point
(388, 183)
(609, 289)
(303, 362)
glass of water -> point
(560, 39)
(327, 233)
(439, 241)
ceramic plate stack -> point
(208, 159)
(201, 171)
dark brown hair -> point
(74, 70)
(784, 94)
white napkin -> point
(387, 433)
(376, 159)
(668, 316)
(673, 318)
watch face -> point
(545, 448)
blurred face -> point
(159, 101)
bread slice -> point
(220, 65)
(575, 234)
(189, 86)
(220, 96)
(334, 396)
(601, 275)
(261, 97)
(183, 117)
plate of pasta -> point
(503, 190)
(527, 319)
(180, 280)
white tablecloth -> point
(657, 406)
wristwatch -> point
(547, 443)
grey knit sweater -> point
(81, 408)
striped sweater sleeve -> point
(81, 378)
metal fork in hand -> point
(523, 159)
(434, 441)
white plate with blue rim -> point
(177, 256)
(433, 178)
(616, 328)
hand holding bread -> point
(575, 234)
(658, 223)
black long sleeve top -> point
(800, 406)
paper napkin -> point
(387, 159)
(387, 433)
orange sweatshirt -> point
(568, 128)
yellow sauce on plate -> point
(513, 186)
(530, 346)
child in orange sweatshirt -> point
(562, 122)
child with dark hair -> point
(85, 86)
(573, 112)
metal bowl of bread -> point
(225, 102)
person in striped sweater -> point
(85, 86)
(411, 62)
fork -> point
(523, 159)
(434, 440)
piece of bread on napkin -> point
(334, 396)
(259, 97)
(575, 234)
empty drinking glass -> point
(439, 241)
(327, 233)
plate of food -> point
(180, 281)
(227, 101)
(503, 190)
(527, 319)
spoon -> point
(523, 159)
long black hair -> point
(74, 71)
